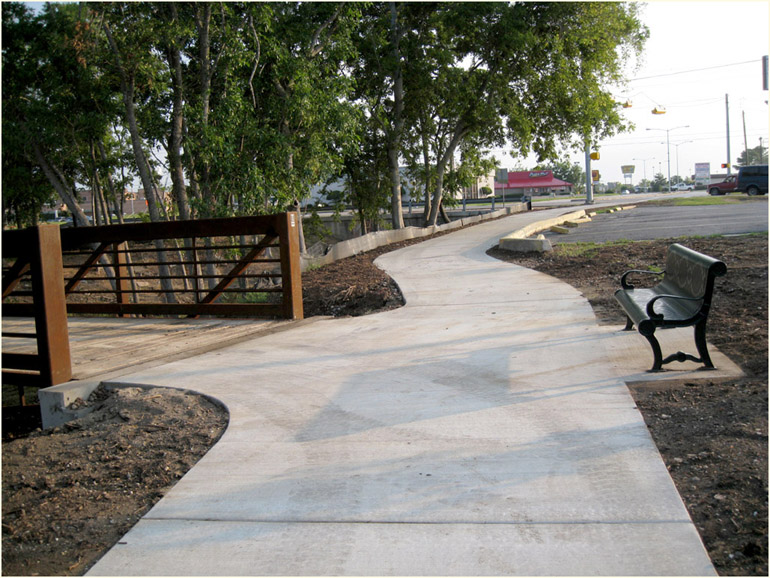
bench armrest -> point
(626, 285)
(651, 304)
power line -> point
(693, 70)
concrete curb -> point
(521, 241)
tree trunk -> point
(426, 168)
(175, 136)
(100, 211)
(459, 134)
(117, 199)
(203, 22)
(397, 127)
(127, 88)
(58, 182)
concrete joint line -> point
(428, 522)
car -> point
(752, 180)
(682, 187)
(723, 187)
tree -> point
(55, 105)
(659, 183)
(755, 156)
(534, 73)
(566, 171)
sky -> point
(697, 53)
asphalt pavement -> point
(649, 222)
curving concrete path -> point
(483, 429)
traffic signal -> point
(725, 165)
(595, 156)
(659, 110)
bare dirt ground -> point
(70, 493)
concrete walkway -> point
(483, 429)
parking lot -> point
(647, 222)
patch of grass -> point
(588, 250)
(762, 234)
(255, 297)
(705, 201)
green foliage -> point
(314, 227)
(659, 183)
(755, 156)
(566, 171)
(258, 102)
(707, 201)
(588, 250)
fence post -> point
(288, 231)
(53, 346)
(122, 285)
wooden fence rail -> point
(237, 267)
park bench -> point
(681, 299)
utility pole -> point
(589, 183)
(727, 114)
(746, 160)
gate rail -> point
(237, 267)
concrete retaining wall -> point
(377, 239)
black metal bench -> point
(681, 299)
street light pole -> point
(668, 149)
(677, 155)
(676, 145)
(645, 164)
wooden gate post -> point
(288, 231)
(53, 346)
(120, 264)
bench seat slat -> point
(675, 311)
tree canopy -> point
(244, 107)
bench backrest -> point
(690, 273)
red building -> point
(532, 183)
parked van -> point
(752, 180)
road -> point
(651, 222)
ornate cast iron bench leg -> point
(700, 343)
(656, 352)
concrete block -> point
(559, 229)
(54, 401)
(539, 244)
